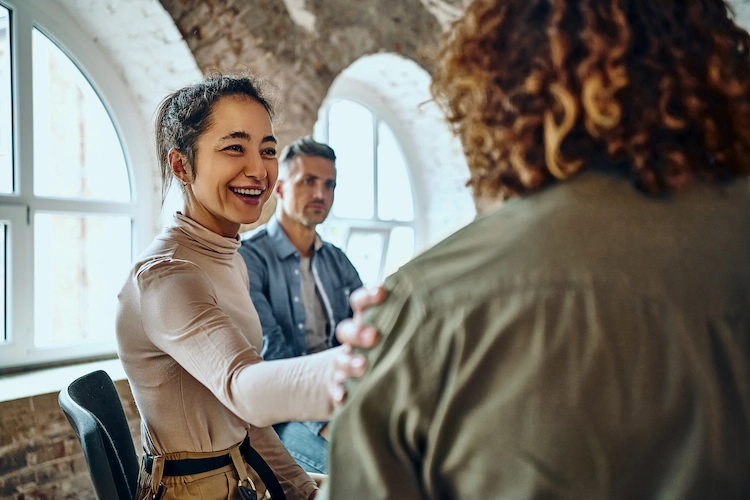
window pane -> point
(400, 249)
(334, 231)
(77, 153)
(4, 282)
(365, 250)
(80, 263)
(350, 133)
(6, 108)
(394, 189)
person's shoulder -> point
(164, 248)
(255, 241)
(477, 237)
(254, 235)
(468, 264)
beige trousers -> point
(218, 484)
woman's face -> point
(235, 166)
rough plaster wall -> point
(302, 52)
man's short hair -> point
(304, 146)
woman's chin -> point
(252, 217)
(248, 221)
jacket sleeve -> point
(275, 345)
(350, 277)
(350, 280)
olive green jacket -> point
(583, 342)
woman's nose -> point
(255, 167)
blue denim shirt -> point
(273, 265)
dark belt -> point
(190, 466)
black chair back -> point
(94, 410)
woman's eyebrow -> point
(241, 134)
(236, 135)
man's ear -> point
(178, 164)
(277, 189)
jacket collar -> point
(281, 242)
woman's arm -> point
(181, 317)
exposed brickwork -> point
(264, 38)
(40, 456)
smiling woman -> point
(238, 153)
(188, 334)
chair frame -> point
(112, 463)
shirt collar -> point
(284, 247)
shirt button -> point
(296, 271)
(300, 326)
(296, 299)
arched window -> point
(69, 217)
(373, 215)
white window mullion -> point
(107, 225)
(375, 140)
(15, 209)
(19, 288)
(23, 103)
(383, 255)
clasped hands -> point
(353, 333)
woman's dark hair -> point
(536, 88)
(186, 114)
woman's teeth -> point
(247, 192)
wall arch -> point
(398, 88)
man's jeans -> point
(308, 449)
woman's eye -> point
(269, 152)
(235, 148)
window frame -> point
(53, 21)
(351, 90)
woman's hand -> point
(352, 333)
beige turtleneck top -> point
(188, 337)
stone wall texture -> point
(302, 45)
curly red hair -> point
(536, 88)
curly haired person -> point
(590, 337)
